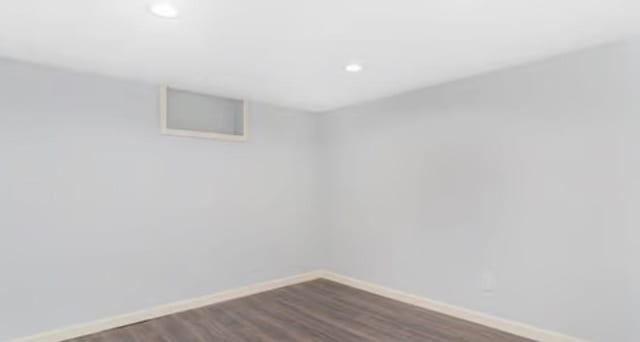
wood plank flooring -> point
(319, 310)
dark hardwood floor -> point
(318, 310)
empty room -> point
(291, 170)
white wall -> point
(102, 215)
(529, 176)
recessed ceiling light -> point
(353, 67)
(164, 10)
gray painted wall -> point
(515, 193)
(101, 215)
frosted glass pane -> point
(204, 113)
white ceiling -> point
(292, 52)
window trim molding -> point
(199, 134)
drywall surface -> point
(516, 193)
(101, 215)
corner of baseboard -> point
(515, 328)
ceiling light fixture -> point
(164, 10)
(353, 67)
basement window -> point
(189, 114)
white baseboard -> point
(163, 310)
(515, 328)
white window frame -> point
(199, 134)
